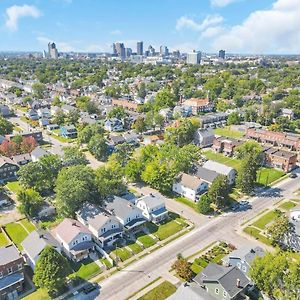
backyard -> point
(3, 240)
(17, 233)
(228, 132)
(161, 292)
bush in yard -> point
(183, 268)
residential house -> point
(223, 282)
(8, 169)
(288, 113)
(4, 110)
(243, 258)
(74, 238)
(37, 153)
(67, 109)
(214, 120)
(116, 140)
(113, 124)
(166, 113)
(281, 159)
(34, 104)
(205, 175)
(189, 186)
(152, 139)
(51, 127)
(68, 131)
(153, 207)
(44, 113)
(105, 227)
(221, 169)
(43, 122)
(281, 139)
(131, 138)
(130, 105)
(32, 115)
(130, 216)
(11, 272)
(182, 111)
(225, 145)
(204, 137)
(37, 135)
(22, 159)
(292, 239)
(54, 110)
(199, 105)
(35, 243)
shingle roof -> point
(217, 167)
(8, 254)
(189, 181)
(6, 160)
(206, 174)
(153, 200)
(39, 152)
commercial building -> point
(52, 51)
(222, 54)
(120, 49)
(194, 58)
(139, 48)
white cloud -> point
(116, 32)
(15, 12)
(276, 30)
(188, 23)
(222, 3)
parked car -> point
(90, 287)
(293, 175)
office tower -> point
(128, 52)
(151, 51)
(139, 48)
(52, 51)
(194, 58)
(114, 49)
(176, 53)
(164, 51)
(222, 54)
(120, 50)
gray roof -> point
(227, 277)
(189, 181)
(8, 254)
(21, 157)
(39, 152)
(37, 240)
(217, 167)
(190, 291)
(121, 207)
(6, 160)
(153, 200)
(247, 254)
(206, 174)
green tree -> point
(183, 268)
(51, 270)
(38, 89)
(74, 156)
(122, 153)
(164, 99)
(133, 170)
(56, 101)
(59, 117)
(203, 205)
(118, 112)
(6, 127)
(87, 132)
(249, 147)
(142, 90)
(98, 147)
(30, 202)
(73, 116)
(219, 191)
(234, 119)
(277, 275)
(74, 186)
(279, 228)
(140, 125)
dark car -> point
(90, 287)
(293, 175)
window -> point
(1, 274)
(244, 269)
(239, 265)
(224, 294)
(10, 270)
(20, 266)
(217, 291)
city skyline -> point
(239, 26)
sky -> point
(238, 26)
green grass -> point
(196, 268)
(136, 248)
(14, 186)
(287, 205)
(85, 269)
(106, 262)
(17, 233)
(266, 176)
(28, 225)
(39, 294)
(168, 229)
(122, 253)
(263, 221)
(220, 158)
(187, 202)
(256, 234)
(17, 128)
(161, 292)
(145, 239)
(227, 132)
(3, 240)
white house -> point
(113, 124)
(105, 228)
(44, 113)
(130, 216)
(221, 169)
(75, 239)
(189, 186)
(204, 137)
(153, 207)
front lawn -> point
(3, 240)
(170, 228)
(145, 239)
(39, 294)
(254, 232)
(122, 253)
(161, 292)
(136, 248)
(266, 176)
(187, 202)
(288, 205)
(228, 132)
(263, 221)
(14, 186)
(105, 262)
(17, 233)
(85, 269)
(28, 225)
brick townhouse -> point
(280, 159)
(199, 105)
(280, 139)
(11, 272)
(225, 145)
(125, 104)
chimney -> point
(238, 283)
(41, 236)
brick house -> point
(280, 139)
(199, 105)
(11, 272)
(125, 104)
(225, 145)
(280, 159)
